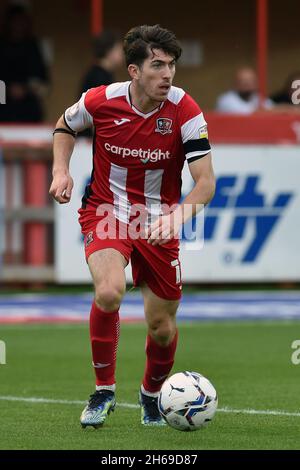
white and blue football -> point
(187, 401)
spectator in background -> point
(23, 68)
(108, 56)
(284, 96)
(243, 99)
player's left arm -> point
(202, 193)
(197, 150)
(167, 227)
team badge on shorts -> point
(163, 126)
(89, 239)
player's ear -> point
(134, 71)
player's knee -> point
(108, 296)
(163, 332)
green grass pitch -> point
(249, 364)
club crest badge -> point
(163, 126)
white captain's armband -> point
(195, 138)
(77, 117)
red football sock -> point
(160, 360)
(104, 334)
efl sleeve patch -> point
(194, 135)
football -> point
(187, 401)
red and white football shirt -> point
(138, 158)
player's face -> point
(156, 75)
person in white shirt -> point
(244, 98)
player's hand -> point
(165, 228)
(61, 187)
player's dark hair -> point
(140, 39)
(103, 43)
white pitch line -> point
(133, 406)
(249, 411)
(57, 402)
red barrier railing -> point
(35, 181)
(258, 128)
(27, 217)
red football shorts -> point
(158, 266)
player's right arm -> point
(76, 118)
(63, 146)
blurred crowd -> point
(244, 98)
(25, 71)
(23, 68)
